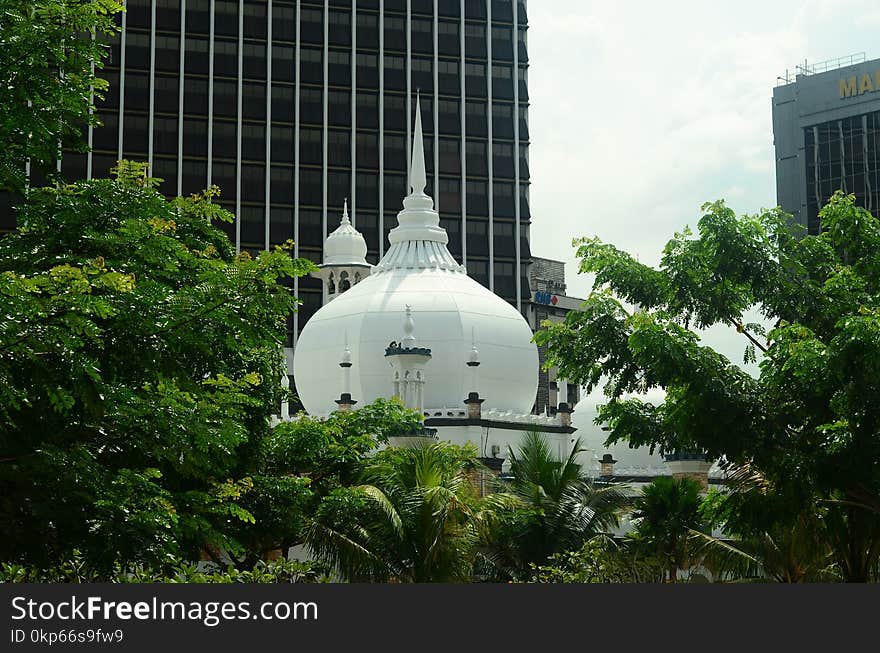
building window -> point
(310, 150)
(367, 150)
(225, 58)
(367, 109)
(476, 159)
(339, 148)
(282, 144)
(450, 156)
(842, 155)
(224, 139)
(477, 197)
(311, 106)
(339, 109)
(254, 100)
(254, 60)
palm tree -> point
(785, 553)
(666, 514)
(561, 507)
(772, 536)
(415, 518)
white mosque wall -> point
(494, 442)
(637, 461)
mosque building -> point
(417, 327)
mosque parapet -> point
(496, 419)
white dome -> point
(447, 307)
(346, 245)
(452, 313)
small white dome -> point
(346, 245)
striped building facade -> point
(293, 106)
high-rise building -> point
(549, 302)
(826, 129)
(293, 106)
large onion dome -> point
(452, 314)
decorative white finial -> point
(418, 222)
(285, 406)
(345, 219)
(409, 340)
(345, 364)
(418, 178)
(474, 358)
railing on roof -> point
(821, 67)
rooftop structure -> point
(826, 129)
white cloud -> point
(640, 112)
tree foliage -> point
(560, 508)
(600, 560)
(665, 514)
(416, 517)
(139, 367)
(49, 53)
(810, 422)
(302, 461)
(78, 570)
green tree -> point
(601, 560)
(303, 460)
(665, 514)
(140, 360)
(789, 548)
(78, 570)
(415, 518)
(810, 423)
(560, 508)
(49, 52)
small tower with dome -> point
(408, 362)
(345, 263)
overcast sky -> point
(641, 111)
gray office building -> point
(826, 129)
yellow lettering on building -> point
(859, 84)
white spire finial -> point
(285, 405)
(418, 178)
(418, 221)
(346, 353)
(409, 340)
(345, 218)
(474, 358)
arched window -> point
(331, 285)
(344, 283)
